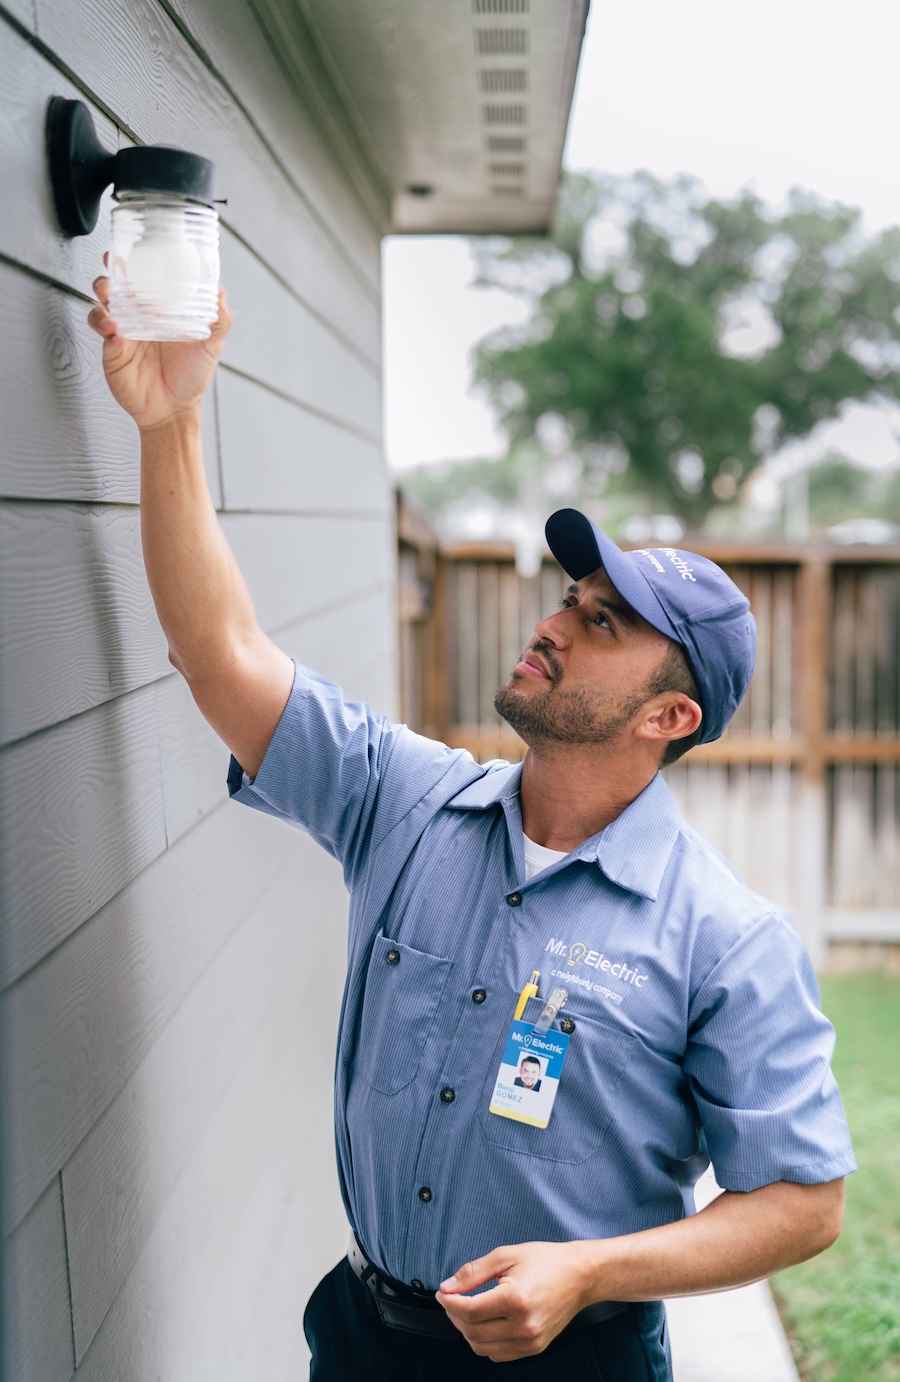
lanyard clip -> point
(550, 1011)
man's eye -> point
(602, 620)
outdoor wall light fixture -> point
(164, 246)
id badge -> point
(529, 1074)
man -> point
(529, 1076)
(676, 1011)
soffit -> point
(469, 99)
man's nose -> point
(553, 628)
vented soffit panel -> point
(457, 108)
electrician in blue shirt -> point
(691, 1016)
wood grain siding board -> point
(373, 682)
(260, 1129)
(172, 97)
(82, 1021)
(82, 816)
(251, 1322)
(278, 455)
(64, 436)
(77, 622)
(278, 341)
(37, 1339)
(296, 564)
(121, 1176)
(22, 10)
(194, 759)
(28, 228)
(347, 642)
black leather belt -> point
(417, 1312)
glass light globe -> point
(163, 268)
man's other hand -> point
(539, 1289)
(157, 381)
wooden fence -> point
(802, 793)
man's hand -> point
(157, 381)
(540, 1286)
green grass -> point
(842, 1310)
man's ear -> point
(672, 715)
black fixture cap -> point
(159, 168)
(81, 169)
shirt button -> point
(425, 1195)
(448, 1095)
(393, 957)
(417, 1285)
(567, 1024)
(479, 995)
(514, 899)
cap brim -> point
(580, 548)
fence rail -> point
(802, 792)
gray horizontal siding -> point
(77, 620)
(257, 1134)
(27, 228)
(85, 1017)
(296, 565)
(64, 438)
(349, 643)
(81, 815)
(277, 454)
(36, 1285)
(78, 623)
(150, 1132)
(279, 341)
(172, 964)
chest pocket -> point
(586, 1099)
(404, 988)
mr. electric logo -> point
(686, 572)
(579, 954)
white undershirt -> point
(539, 857)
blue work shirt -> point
(697, 1031)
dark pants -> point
(349, 1343)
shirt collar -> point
(632, 851)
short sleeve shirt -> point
(697, 1033)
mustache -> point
(545, 650)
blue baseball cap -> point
(683, 595)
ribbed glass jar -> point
(163, 268)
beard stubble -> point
(563, 715)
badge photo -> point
(528, 1078)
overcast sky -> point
(780, 93)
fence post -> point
(435, 660)
(812, 607)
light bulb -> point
(576, 952)
(164, 263)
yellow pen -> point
(529, 991)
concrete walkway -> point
(732, 1336)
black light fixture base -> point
(80, 168)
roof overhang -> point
(453, 112)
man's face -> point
(529, 1073)
(587, 671)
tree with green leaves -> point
(676, 341)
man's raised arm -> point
(238, 677)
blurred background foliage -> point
(675, 345)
